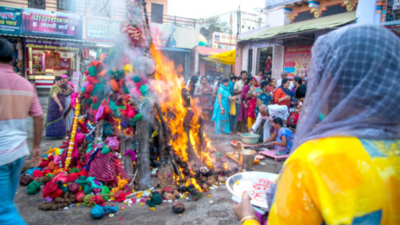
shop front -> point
(209, 67)
(11, 29)
(297, 61)
(52, 43)
(288, 47)
(49, 58)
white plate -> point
(255, 183)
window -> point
(66, 5)
(242, 26)
(307, 15)
(157, 12)
(392, 11)
(253, 28)
(333, 10)
(100, 8)
(37, 4)
(250, 61)
(249, 28)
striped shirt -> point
(18, 99)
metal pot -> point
(247, 158)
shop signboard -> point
(163, 35)
(10, 21)
(224, 39)
(297, 60)
(52, 45)
(102, 30)
(55, 24)
(171, 36)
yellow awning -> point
(227, 58)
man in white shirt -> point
(269, 113)
(237, 91)
(284, 75)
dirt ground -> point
(215, 210)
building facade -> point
(242, 21)
(293, 27)
(380, 12)
(57, 37)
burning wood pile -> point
(135, 128)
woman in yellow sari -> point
(345, 163)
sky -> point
(207, 8)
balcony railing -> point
(176, 20)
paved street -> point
(200, 212)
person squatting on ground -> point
(268, 113)
(284, 137)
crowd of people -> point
(241, 104)
(343, 167)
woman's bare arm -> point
(283, 143)
(54, 96)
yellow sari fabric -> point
(340, 180)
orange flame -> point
(226, 166)
(194, 182)
(169, 84)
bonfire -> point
(136, 132)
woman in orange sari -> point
(283, 95)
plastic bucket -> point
(247, 158)
(248, 138)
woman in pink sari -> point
(251, 111)
(244, 105)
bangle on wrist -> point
(247, 218)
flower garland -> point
(73, 133)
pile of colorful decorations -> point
(87, 170)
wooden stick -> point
(177, 170)
(98, 131)
(143, 159)
(146, 25)
(163, 134)
(124, 145)
(133, 179)
(201, 139)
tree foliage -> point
(211, 25)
